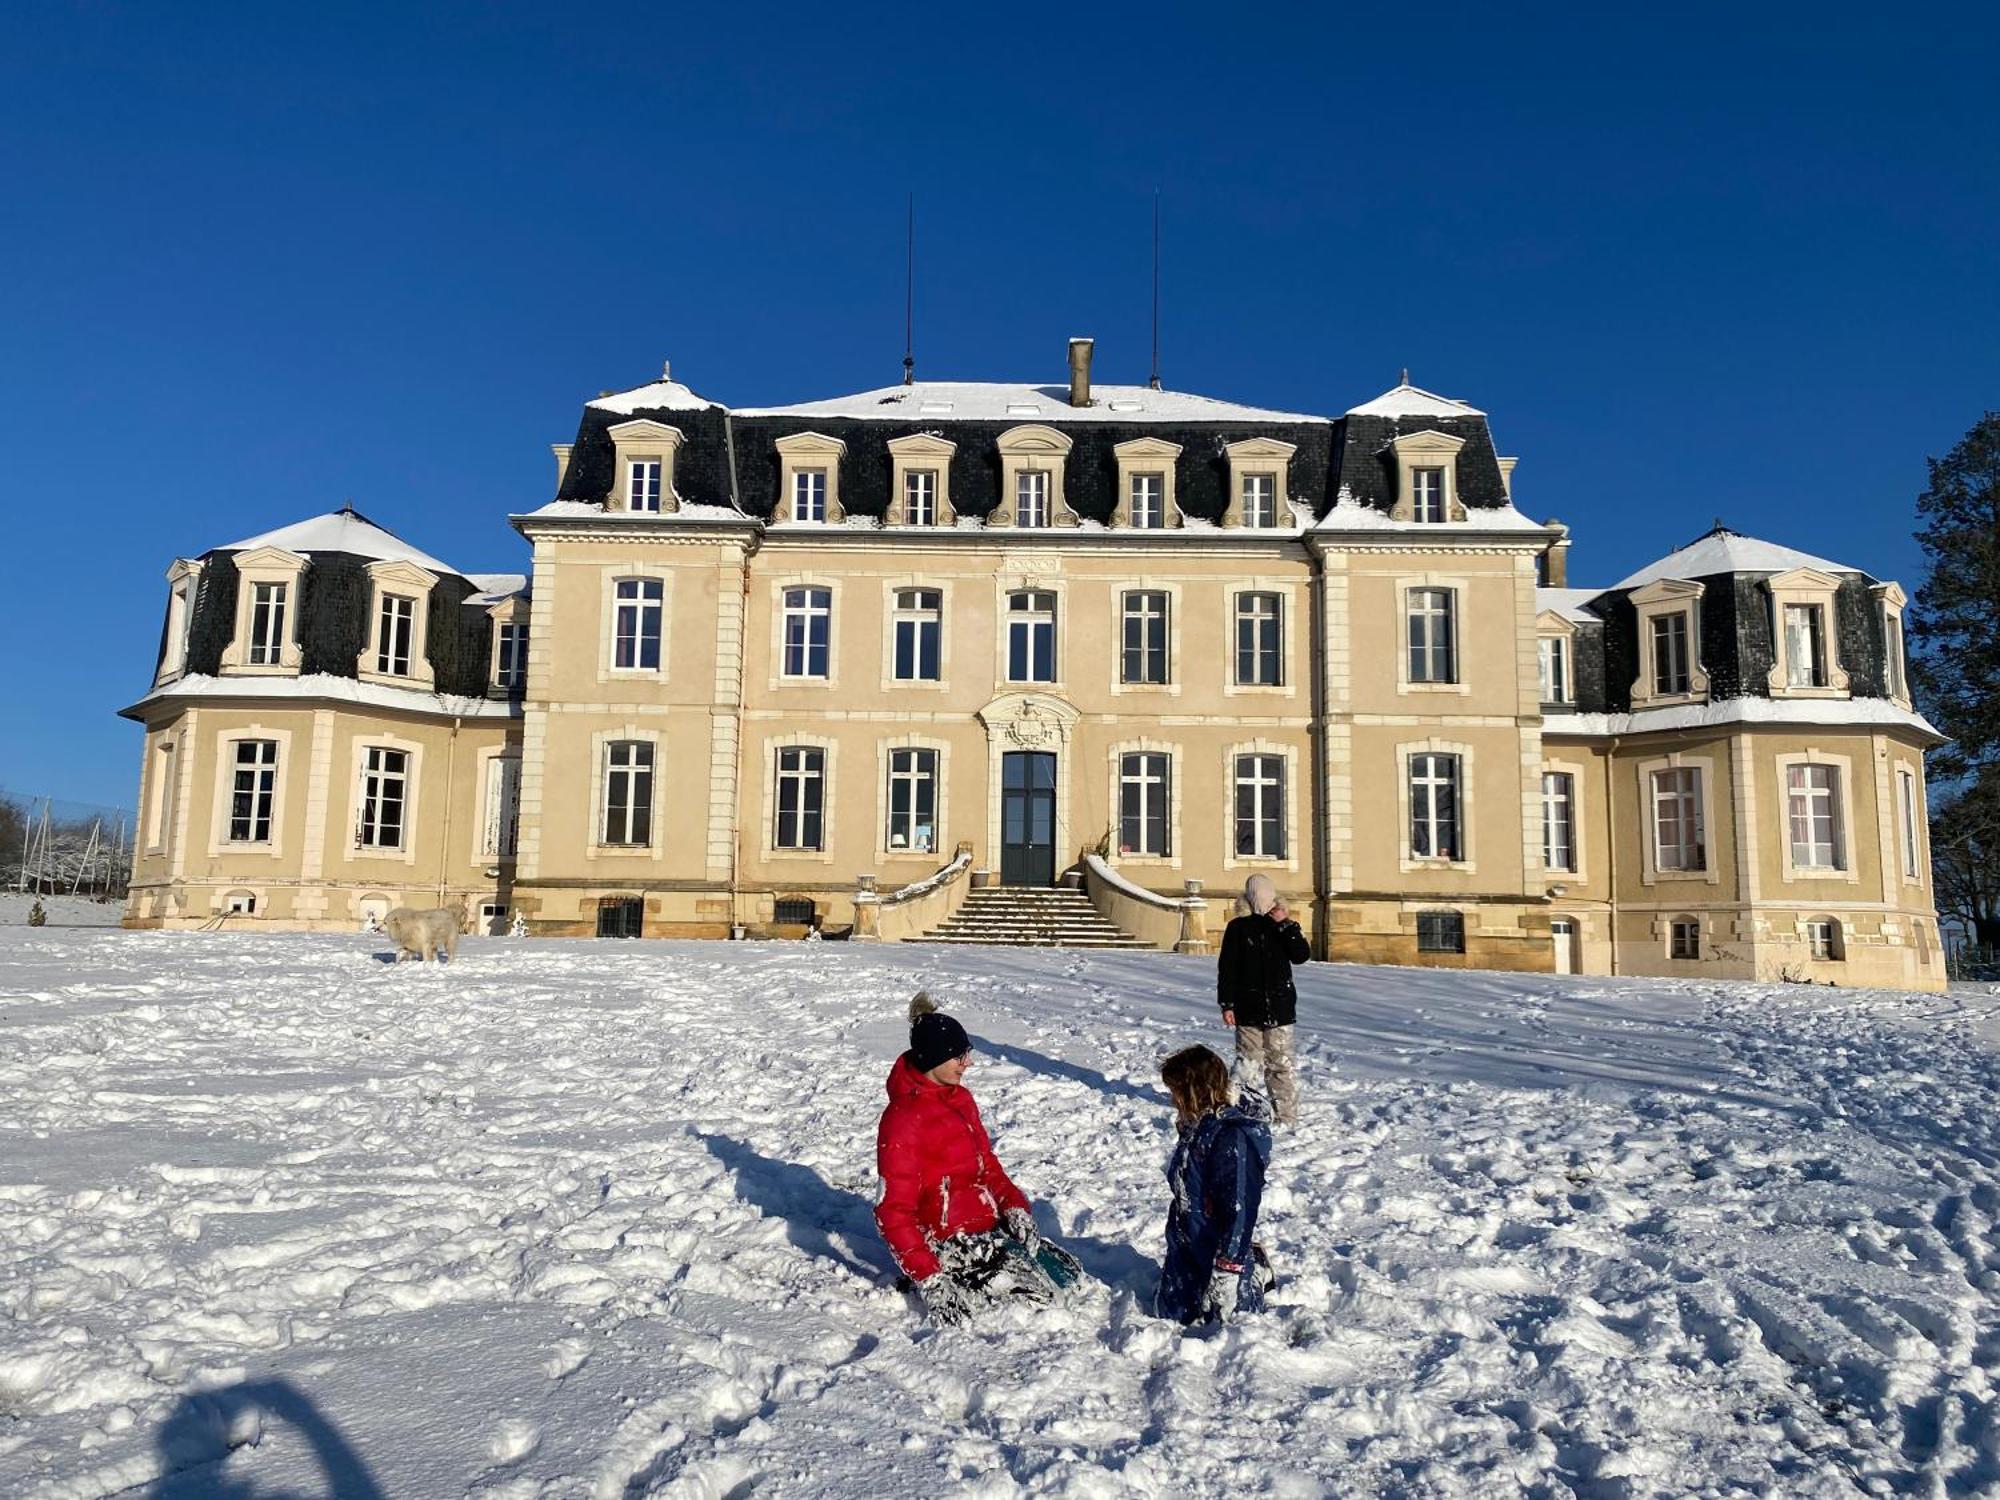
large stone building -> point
(936, 635)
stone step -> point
(1029, 942)
(1030, 917)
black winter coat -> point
(1253, 977)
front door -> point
(1028, 818)
(1564, 932)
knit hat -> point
(934, 1036)
(1261, 894)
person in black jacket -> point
(1253, 984)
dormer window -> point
(398, 648)
(1805, 651)
(1427, 495)
(1260, 500)
(1426, 466)
(642, 484)
(809, 476)
(1031, 497)
(1145, 497)
(1257, 472)
(509, 676)
(1890, 600)
(183, 579)
(1032, 460)
(643, 453)
(920, 488)
(809, 495)
(268, 623)
(395, 629)
(1149, 501)
(1670, 654)
(1552, 652)
(1805, 646)
(1670, 671)
(920, 480)
(266, 638)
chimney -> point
(561, 451)
(1079, 371)
(1555, 561)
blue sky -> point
(1700, 262)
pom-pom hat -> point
(934, 1036)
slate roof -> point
(344, 530)
(1726, 551)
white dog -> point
(421, 934)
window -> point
(793, 911)
(1892, 652)
(1805, 646)
(1259, 646)
(636, 624)
(913, 776)
(642, 484)
(1813, 795)
(1427, 494)
(1553, 653)
(916, 628)
(1558, 820)
(1031, 497)
(1260, 499)
(1144, 782)
(1684, 938)
(628, 794)
(920, 489)
(1823, 938)
(621, 917)
(809, 495)
(1678, 842)
(1031, 636)
(1432, 652)
(1906, 798)
(252, 791)
(1145, 655)
(1440, 932)
(395, 627)
(180, 616)
(503, 806)
(385, 785)
(1260, 806)
(1149, 501)
(1670, 654)
(1434, 807)
(510, 662)
(808, 630)
(267, 623)
(801, 798)
(160, 797)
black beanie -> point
(934, 1036)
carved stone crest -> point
(1033, 729)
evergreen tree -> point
(1955, 618)
(1965, 858)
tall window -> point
(1670, 653)
(510, 667)
(1906, 798)
(636, 624)
(809, 495)
(913, 776)
(1558, 820)
(1145, 655)
(1031, 636)
(1259, 646)
(1678, 839)
(503, 806)
(1260, 806)
(1427, 494)
(1805, 646)
(801, 798)
(1144, 782)
(1813, 795)
(642, 484)
(394, 628)
(1433, 653)
(628, 793)
(808, 631)
(1260, 499)
(385, 788)
(267, 623)
(1553, 656)
(1149, 500)
(180, 616)
(1031, 497)
(917, 627)
(1434, 807)
(920, 497)
(252, 791)
(1892, 651)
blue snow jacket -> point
(1217, 1178)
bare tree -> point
(1965, 858)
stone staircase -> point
(1030, 916)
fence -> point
(57, 848)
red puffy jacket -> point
(939, 1175)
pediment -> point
(1427, 443)
(1667, 588)
(1147, 447)
(1033, 438)
(271, 559)
(922, 445)
(810, 445)
(1891, 594)
(1802, 581)
(1260, 447)
(1549, 622)
(397, 570)
(645, 430)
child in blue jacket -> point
(1217, 1178)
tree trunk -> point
(1986, 932)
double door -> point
(1028, 818)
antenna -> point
(910, 293)
(1154, 382)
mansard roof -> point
(1726, 551)
(344, 530)
(1406, 400)
(993, 401)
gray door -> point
(1028, 818)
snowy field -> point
(61, 911)
(593, 1219)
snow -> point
(1877, 711)
(494, 587)
(593, 1219)
(661, 395)
(936, 880)
(1723, 551)
(324, 686)
(687, 510)
(1569, 603)
(61, 911)
(987, 401)
(1349, 514)
(1406, 400)
(342, 531)
(1103, 870)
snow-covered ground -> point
(61, 911)
(593, 1219)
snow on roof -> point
(1743, 711)
(323, 685)
(1726, 551)
(661, 395)
(343, 530)
(1569, 603)
(1349, 514)
(1407, 401)
(493, 587)
(688, 510)
(985, 401)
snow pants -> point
(994, 1267)
(1266, 1064)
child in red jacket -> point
(953, 1219)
